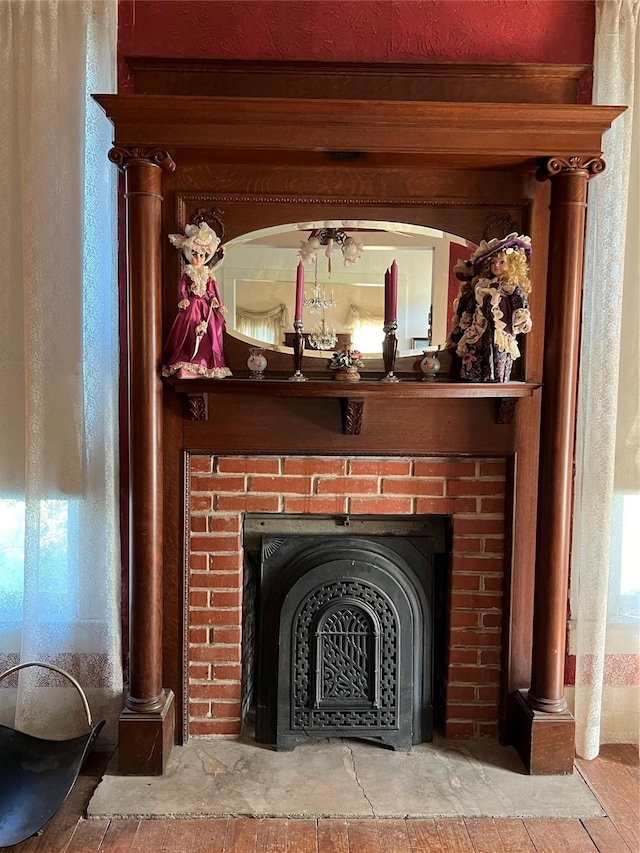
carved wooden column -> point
(146, 726)
(548, 742)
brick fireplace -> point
(220, 490)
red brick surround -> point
(221, 489)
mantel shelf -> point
(353, 394)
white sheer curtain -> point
(608, 425)
(267, 326)
(59, 537)
(367, 334)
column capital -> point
(552, 166)
(124, 157)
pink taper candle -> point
(391, 295)
(299, 291)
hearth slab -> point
(342, 778)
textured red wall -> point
(558, 31)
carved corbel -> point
(352, 409)
(506, 410)
(197, 407)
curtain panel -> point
(59, 537)
(608, 425)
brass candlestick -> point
(298, 349)
(389, 350)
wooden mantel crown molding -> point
(482, 134)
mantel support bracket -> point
(352, 411)
(198, 407)
(506, 409)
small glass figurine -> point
(256, 363)
(430, 365)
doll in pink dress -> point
(194, 345)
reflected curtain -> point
(608, 446)
(59, 537)
(367, 334)
(265, 326)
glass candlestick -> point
(298, 350)
(389, 350)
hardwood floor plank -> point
(363, 836)
(492, 835)
(605, 836)
(618, 794)
(559, 836)
(150, 835)
(87, 837)
(514, 835)
(181, 836)
(393, 836)
(120, 836)
(271, 836)
(333, 836)
(423, 836)
(611, 782)
(212, 835)
(484, 835)
(302, 836)
(454, 837)
(241, 836)
(624, 754)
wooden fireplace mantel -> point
(448, 164)
(352, 396)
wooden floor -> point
(613, 777)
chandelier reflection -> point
(330, 238)
(323, 336)
(318, 302)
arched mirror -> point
(344, 264)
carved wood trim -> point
(555, 165)
(185, 649)
(122, 157)
(198, 407)
(352, 412)
(506, 410)
(248, 198)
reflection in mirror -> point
(344, 285)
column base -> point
(145, 739)
(545, 742)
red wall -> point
(556, 31)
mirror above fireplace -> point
(344, 283)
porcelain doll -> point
(194, 347)
(492, 308)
